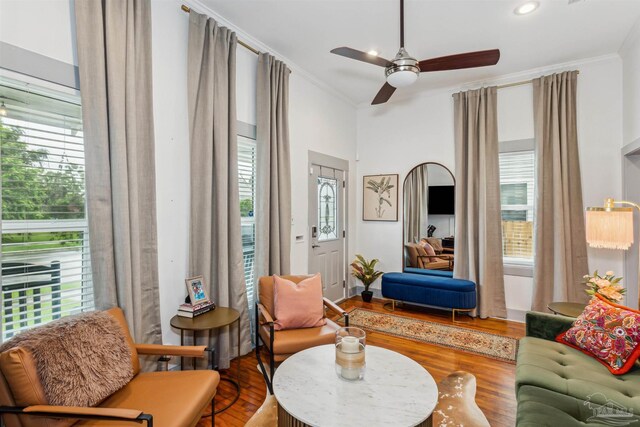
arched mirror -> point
(429, 217)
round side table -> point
(569, 309)
(214, 319)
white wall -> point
(630, 54)
(422, 125)
(172, 156)
(319, 121)
(395, 137)
(46, 27)
(324, 124)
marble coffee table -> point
(396, 391)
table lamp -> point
(611, 227)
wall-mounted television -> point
(442, 200)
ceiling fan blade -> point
(481, 58)
(384, 94)
(361, 56)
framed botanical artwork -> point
(197, 292)
(380, 197)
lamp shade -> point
(610, 227)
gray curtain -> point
(560, 242)
(273, 192)
(478, 231)
(215, 242)
(114, 55)
(415, 204)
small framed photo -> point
(197, 292)
(380, 197)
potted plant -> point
(608, 286)
(365, 271)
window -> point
(46, 270)
(247, 187)
(516, 199)
(327, 209)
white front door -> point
(327, 229)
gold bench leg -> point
(393, 305)
(453, 313)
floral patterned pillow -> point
(608, 332)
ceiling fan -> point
(403, 70)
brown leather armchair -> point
(282, 344)
(418, 258)
(163, 399)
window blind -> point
(247, 188)
(46, 267)
(517, 181)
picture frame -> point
(380, 197)
(196, 289)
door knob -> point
(315, 246)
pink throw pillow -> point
(429, 249)
(298, 305)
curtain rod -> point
(240, 42)
(524, 82)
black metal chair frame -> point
(21, 411)
(268, 378)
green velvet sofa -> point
(559, 386)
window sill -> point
(514, 269)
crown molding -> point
(200, 7)
(632, 37)
(503, 79)
(540, 71)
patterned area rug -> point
(483, 343)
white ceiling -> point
(306, 30)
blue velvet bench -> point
(439, 273)
(437, 290)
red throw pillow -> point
(608, 332)
(298, 305)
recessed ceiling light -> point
(373, 52)
(526, 8)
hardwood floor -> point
(495, 379)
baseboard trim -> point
(516, 315)
(377, 293)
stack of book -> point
(188, 310)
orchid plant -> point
(608, 286)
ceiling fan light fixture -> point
(526, 8)
(402, 78)
(403, 70)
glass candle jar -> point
(350, 347)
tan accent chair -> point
(418, 258)
(436, 244)
(163, 399)
(282, 344)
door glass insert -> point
(327, 209)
